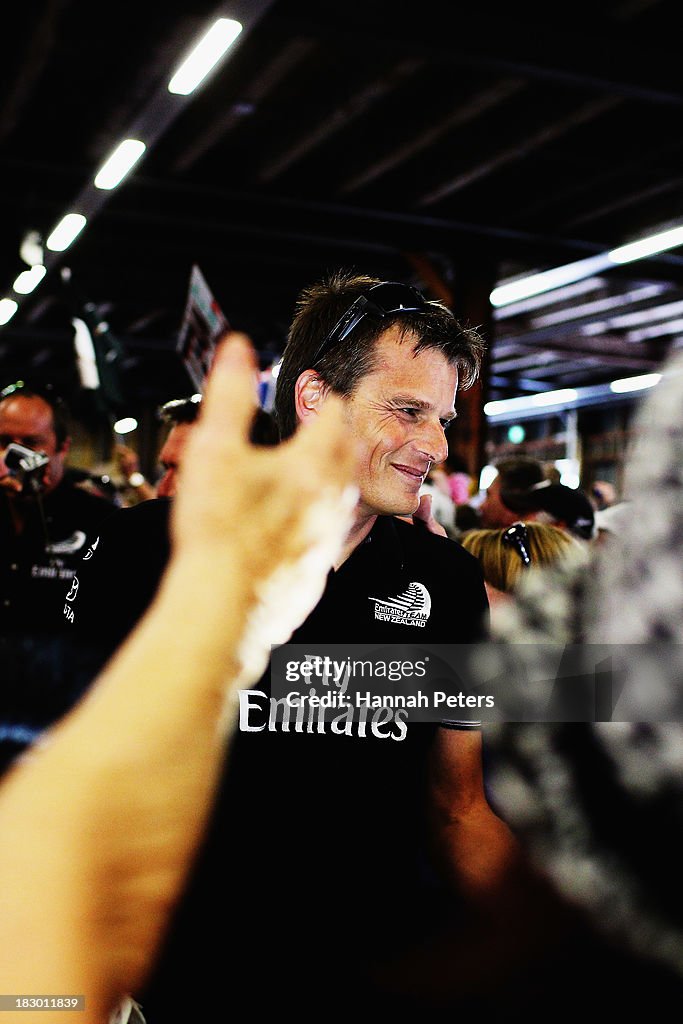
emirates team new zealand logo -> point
(411, 608)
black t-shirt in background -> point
(38, 683)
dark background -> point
(451, 145)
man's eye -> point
(447, 424)
(410, 412)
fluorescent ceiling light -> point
(121, 161)
(125, 425)
(647, 246)
(29, 279)
(204, 57)
(626, 384)
(66, 231)
(547, 280)
(8, 308)
(565, 396)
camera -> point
(25, 465)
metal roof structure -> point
(452, 146)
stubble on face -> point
(396, 417)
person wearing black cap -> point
(566, 507)
(520, 491)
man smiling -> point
(355, 822)
(337, 834)
(397, 415)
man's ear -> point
(310, 392)
(64, 446)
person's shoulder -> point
(73, 503)
(139, 525)
(422, 543)
(152, 511)
(83, 498)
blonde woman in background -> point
(504, 554)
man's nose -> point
(432, 442)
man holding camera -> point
(44, 523)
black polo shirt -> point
(321, 836)
(117, 579)
(36, 570)
(392, 559)
(36, 566)
(324, 830)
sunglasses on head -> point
(518, 538)
(385, 299)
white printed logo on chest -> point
(411, 608)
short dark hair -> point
(518, 474)
(46, 392)
(180, 410)
(263, 430)
(341, 367)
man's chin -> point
(403, 508)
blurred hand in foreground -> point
(276, 516)
(107, 811)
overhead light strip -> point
(567, 398)
(29, 279)
(66, 232)
(660, 242)
(204, 56)
(524, 403)
(8, 308)
(563, 294)
(548, 280)
(150, 125)
(641, 383)
(119, 164)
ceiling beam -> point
(549, 52)
(32, 64)
(464, 113)
(263, 81)
(521, 148)
(340, 119)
